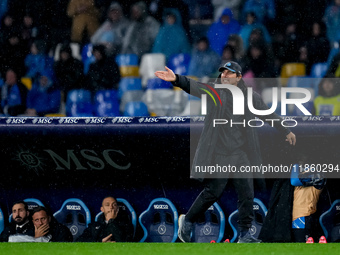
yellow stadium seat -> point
(126, 71)
(292, 69)
(27, 81)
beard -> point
(19, 220)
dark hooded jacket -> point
(207, 149)
(121, 229)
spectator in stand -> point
(112, 226)
(141, 32)
(332, 20)
(47, 228)
(235, 41)
(113, 30)
(103, 73)
(44, 97)
(264, 9)
(13, 53)
(85, 18)
(68, 71)
(20, 224)
(157, 7)
(220, 5)
(318, 44)
(204, 61)
(328, 101)
(220, 30)
(7, 25)
(228, 55)
(13, 95)
(171, 38)
(249, 26)
(259, 61)
(37, 61)
(28, 29)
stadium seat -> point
(300, 82)
(79, 103)
(129, 83)
(136, 108)
(127, 60)
(179, 63)
(260, 212)
(150, 63)
(31, 203)
(211, 227)
(330, 222)
(292, 69)
(319, 70)
(2, 221)
(125, 207)
(75, 215)
(106, 103)
(160, 221)
(129, 71)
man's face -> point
(19, 213)
(229, 77)
(11, 77)
(40, 218)
(109, 204)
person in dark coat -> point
(48, 227)
(104, 72)
(20, 224)
(111, 226)
(222, 145)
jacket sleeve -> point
(191, 86)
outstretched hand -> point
(167, 75)
(291, 138)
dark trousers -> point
(214, 188)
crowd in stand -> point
(261, 35)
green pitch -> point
(166, 248)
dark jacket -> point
(27, 229)
(121, 229)
(206, 148)
(13, 108)
(59, 232)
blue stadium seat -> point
(2, 221)
(106, 103)
(87, 57)
(127, 60)
(79, 103)
(136, 108)
(75, 215)
(156, 83)
(300, 82)
(160, 221)
(319, 70)
(211, 227)
(330, 222)
(129, 83)
(260, 212)
(31, 203)
(179, 63)
(125, 207)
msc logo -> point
(95, 120)
(313, 118)
(122, 120)
(16, 121)
(73, 207)
(69, 120)
(42, 121)
(160, 206)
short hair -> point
(21, 202)
(108, 197)
(40, 208)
